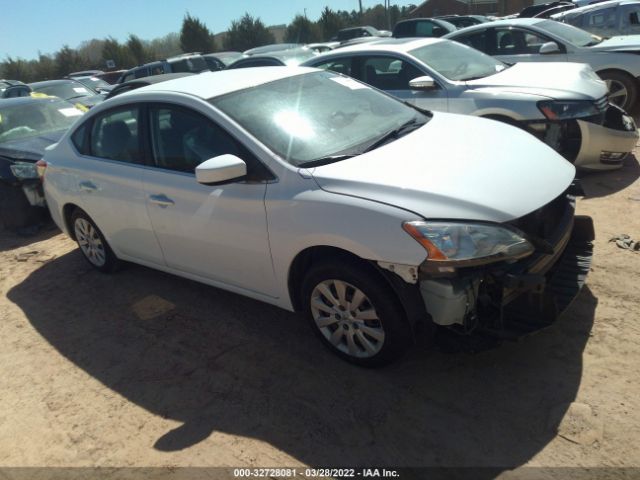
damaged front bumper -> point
(601, 142)
(513, 300)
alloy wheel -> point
(347, 318)
(618, 93)
(90, 243)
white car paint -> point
(244, 237)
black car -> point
(13, 88)
(27, 126)
(68, 89)
(422, 27)
(188, 62)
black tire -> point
(111, 263)
(379, 295)
(628, 82)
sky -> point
(46, 25)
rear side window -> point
(115, 136)
(80, 139)
(405, 29)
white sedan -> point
(316, 193)
(539, 40)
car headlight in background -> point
(24, 170)
(453, 244)
(555, 110)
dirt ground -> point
(146, 369)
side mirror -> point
(422, 83)
(222, 168)
(549, 47)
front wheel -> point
(92, 243)
(623, 89)
(356, 314)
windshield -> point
(456, 61)
(65, 90)
(94, 83)
(32, 119)
(570, 33)
(316, 115)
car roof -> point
(388, 44)
(214, 84)
(48, 83)
(512, 22)
(595, 6)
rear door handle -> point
(88, 186)
(161, 200)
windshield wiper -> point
(325, 160)
(395, 134)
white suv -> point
(317, 193)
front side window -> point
(115, 135)
(569, 33)
(388, 73)
(518, 42)
(313, 116)
(182, 139)
(602, 19)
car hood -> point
(554, 80)
(623, 43)
(29, 149)
(455, 167)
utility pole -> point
(360, 2)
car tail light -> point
(41, 167)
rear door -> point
(108, 177)
(215, 232)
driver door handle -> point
(161, 200)
(88, 186)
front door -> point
(216, 232)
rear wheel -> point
(92, 243)
(355, 313)
(623, 89)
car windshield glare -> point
(457, 62)
(34, 119)
(315, 115)
(570, 33)
(66, 91)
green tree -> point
(329, 23)
(166, 46)
(44, 68)
(15, 69)
(67, 61)
(246, 33)
(138, 51)
(195, 36)
(120, 54)
(302, 30)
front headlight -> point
(468, 244)
(555, 110)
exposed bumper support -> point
(511, 304)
